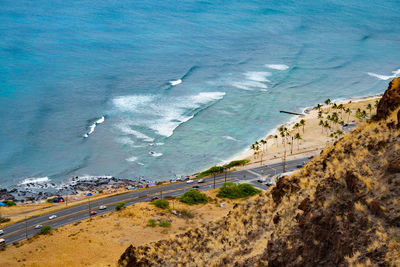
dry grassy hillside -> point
(341, 209)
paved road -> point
(21, 230)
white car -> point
(38, 226)
(189, 181)
(52, 217)
(1, 232)
(102, 207)
(2, 241)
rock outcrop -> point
(341, 209)
(390, 100)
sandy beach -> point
(313, 136)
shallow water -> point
(165, 88)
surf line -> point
(93, 126)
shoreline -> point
(306, 114)
(77, 187)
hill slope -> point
(343, 208)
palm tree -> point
(321, 123)
(318, 106)
(348, 111)
(376, 103)
(276, 140)
(302, 123)
(328, 102)
(263, 142)
(319, 114)
(296, 126)
(370, 109)
(298, 138)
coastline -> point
(307, 114)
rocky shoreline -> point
(36, 191)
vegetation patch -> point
(151, 223)
(232, 191)
(164, 223)
(3, 220)
(219, 169)
(161, 203)
(9, 203)
(119, 205)
(45, 230)
(193, 196)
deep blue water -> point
(66, 64)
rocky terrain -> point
(341, 209)
(33, 191)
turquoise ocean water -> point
(165, 88)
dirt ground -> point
(100, 241)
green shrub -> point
(193, 197)
(45, 230)
(50, 200)
(161, 203)
(9, 203)
(100, 191)
(164, 223)
(3, 220)
(236, 163)
(151, 223)
(210, 171)
(232, 191)
(119, 205)
(220, 169)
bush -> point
(45, 230)
(50, 200)
(3, 220)
(151, 223)
(236, 163)
(100, 191)
(164, 223)
(9, 203)
(119, 205)
(161, 203)
(220, 169)
(232, 191)
(193, 197)
(186, 214)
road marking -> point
(253, 172)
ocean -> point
(159, 89)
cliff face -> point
(390, 100)
(341, 209)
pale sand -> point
(314, 138)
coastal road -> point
(22, 230)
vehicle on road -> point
(38, 226)
(102, 207)
(200, 181)
(2, 241)
(1, 232)
(93, 212)
(310, 157)
(196, 187)
(154, 198)
(52, 217)
(189, 181)
(268, 184)
(300, 166)
(262, 180)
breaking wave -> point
(277, 66)
(93, 126)
(395, 74)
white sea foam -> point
(176, 82)
(258, 76)
(161, 114)
(395, 74)
(142, 164)
(277, 66)
(131, 159)
(92, 127)
(128, 130)
(155, 154)
(227, 137)
(126, 141)
(34, 180)
(249, 85)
